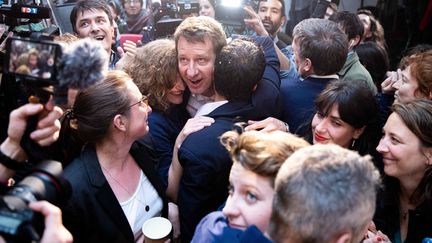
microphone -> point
(83, 63)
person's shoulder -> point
(214, 228)
(253, 234)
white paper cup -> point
(156, 230)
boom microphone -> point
(83, 63)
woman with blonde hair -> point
(257, 157)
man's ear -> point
(307, 65)
(354, 42)
(344, 238)
(120, 122)
(283, 21)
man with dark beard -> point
(272, 14)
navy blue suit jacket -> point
(93, 213)
(206, 166)
(164, 129)
(267, 96)
(298, 98)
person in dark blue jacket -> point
(320, 50)
(206, 163)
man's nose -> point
(192, 70)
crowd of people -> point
(277, 136)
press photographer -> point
(13, 156)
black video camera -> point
(18, 223)
(30, 75)
(230, 12)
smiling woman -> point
(106, 120)
(347, 115)
(404, 204)
(154, 70)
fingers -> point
(52, 213)
(18, 120)
(54, 229)
(23, 112)
(48, 128)
(198, 122)
(120, 51)
(130, 48)
(48, 135)
(372, 227)
(250, 12)
(50, 118)
(255, 125)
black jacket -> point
(387, 215)
(93, 214)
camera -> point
(169, 15)
(18, 223)
(230, 12)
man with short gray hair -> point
(324, 193)
(320, 49)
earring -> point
(353, 143)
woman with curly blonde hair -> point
(154, 71)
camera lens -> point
(44, 183)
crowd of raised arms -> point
(292, 135)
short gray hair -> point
(323, 191)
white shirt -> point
(134, 207)
(195, 102)
(209, 107)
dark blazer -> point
(387, 214)
(164, 129)
(298, 98)
(267, 97)
(206, 166)
(93, 213)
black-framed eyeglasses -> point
(143, 102)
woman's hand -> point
(267, 125)
(193, 125)
(173, 216)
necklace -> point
(146, 206)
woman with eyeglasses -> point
(404, 206)
(115, 186)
